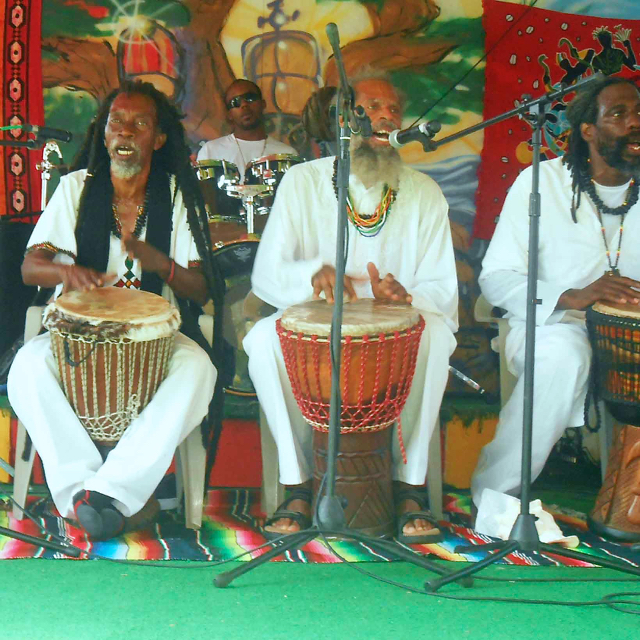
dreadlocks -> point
(583, 109)
(171, 159)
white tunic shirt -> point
(242, 152)
(55, 231)
(414, 245)
(570, 256)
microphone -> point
(422, 133)
(334, 37)
(48, 132)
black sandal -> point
(423, 513)
(300, 493)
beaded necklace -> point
(367, 226)
(116, 224)
(631, 197)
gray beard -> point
(375, 165)
(124, 171)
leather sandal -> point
(301, 519)
(423, 513)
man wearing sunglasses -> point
(248, 139)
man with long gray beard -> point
(399, 249)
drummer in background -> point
(248, 140)
(118, 220)
(400, 249)
(588, 252)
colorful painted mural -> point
(434, 49)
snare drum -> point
(112, 347)
(380, 342)
(269, 171)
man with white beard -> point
(399, 249)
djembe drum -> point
(614, 332)
(112, 347)
(378, 357)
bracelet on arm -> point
(172, 271)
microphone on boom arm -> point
(422, 133)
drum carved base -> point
(363, 479)
(616, 513)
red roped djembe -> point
(380, 344)
(112, 347)
(614, 332)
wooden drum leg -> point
(363, 478)
(616, 513)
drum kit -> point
(238, 213)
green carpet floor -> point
(104, 601)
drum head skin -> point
(627, 310)
(360, 318)
(142, 315)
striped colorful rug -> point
(230, 528)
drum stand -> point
(249, 193)
(329, 518)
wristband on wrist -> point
(172, 271)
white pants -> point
(561, 371)
(293, 436)
(136, 465)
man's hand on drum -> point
(325, 281)
(607, 288)
(151, 259)
(387, 288)
(77, 278)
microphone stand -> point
(329, 518)
(524, 535)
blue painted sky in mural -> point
(624, 9)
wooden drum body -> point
(614, 332)
(380, 344)
(112, 347)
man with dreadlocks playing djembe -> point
(131, 214)
(588, 253)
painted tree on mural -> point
(85, 58)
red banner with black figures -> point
(530, 52)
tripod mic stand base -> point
(509, 546)
(39, 542)
(301, 538)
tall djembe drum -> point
(380, 344)
(614, 332)
(112, 347)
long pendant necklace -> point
(367, 226)
(613, 268)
